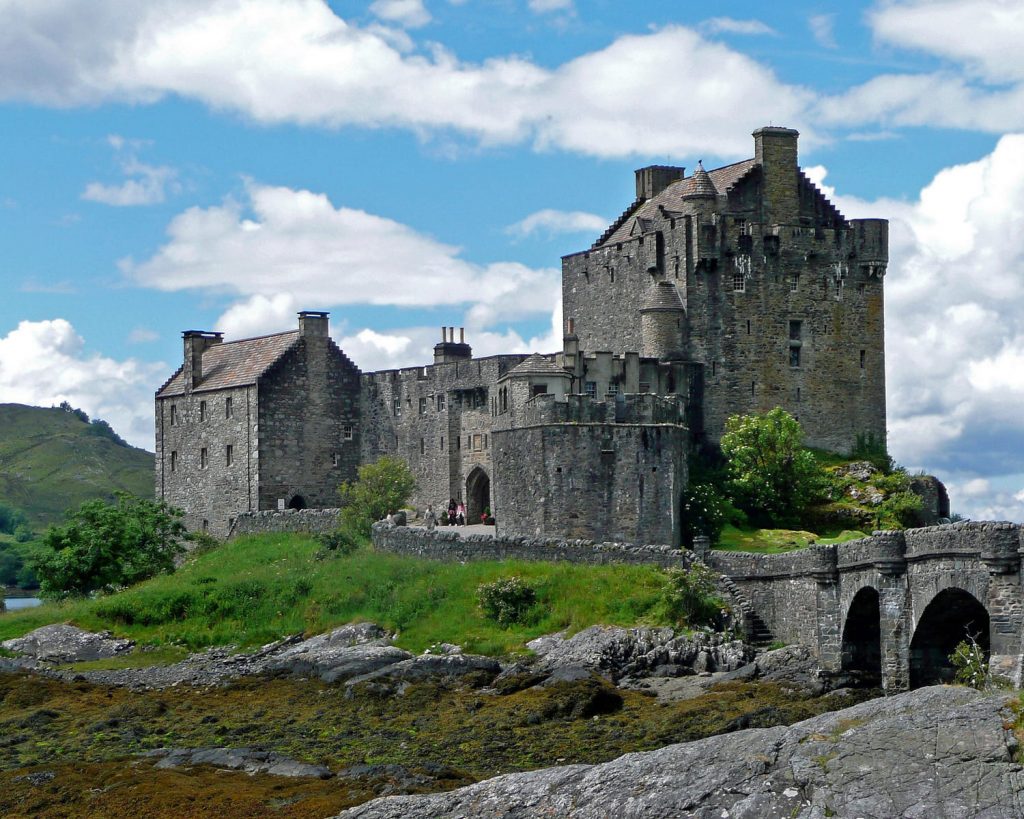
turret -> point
(663, 323)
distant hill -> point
(52, 460)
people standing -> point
(430, 518)
(460, 514)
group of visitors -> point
(454, 516)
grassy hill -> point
(52, 460)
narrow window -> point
(423, 446)
(675, 266)
(714, 367)
(229, 454)
(794, 356)
(442, 444)
(228, 411)
(752, 389)
(613, 390)
(748, 327)
(202, 410)
(862, 357)
(335, 459)
(458, 443)
(794, 282)
(478, 441)
(397, 407)
(174, 460)
(795, 328)
(795, 332)
(797, 393)
(174, 415)
(346, 432)
(423, 406)
(440, 402)
(204, 458)
(485, 440)
(590, 388)
(206, 525)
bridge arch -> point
(861, 651)
(952, 615)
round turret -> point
(663, 322)
(701, 186)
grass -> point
(254, 590)
(777, 541)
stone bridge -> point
(894, 605)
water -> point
(15, 603)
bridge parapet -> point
(882, 550)
(997, 544)
(817, 562)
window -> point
(458, 443)
(794, 282)
(202, 410)
(485, 440)
(863, 355)
(613, 390)
(753, 384)
(748, 327)
(174, 460)
(794, 356)
(441, 447)
(645, 387)
(590, 389)
(346, 432)
(335, 459)
(229, 455)
(440, 402)
(423, 406)
(204, 458)
(174, 415)
(206, 525)
(797, 393)
(739, 283)
(478, 442)
(228, 411)
(397, 406)
(423, 446)
(795, 328)
(795, 333)
(539, 389)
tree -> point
(383, 486)
(772, 477)
(103, 546)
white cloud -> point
(823, 29)
(550, 222)
(955, 316)
(408, 13)
(144, 185)
(45, 362)
(296, 61)
(730, 25)
(547, 6)
(142, 335)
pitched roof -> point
(234, 363)
(673, 197)
(663, 296)
(536, 364)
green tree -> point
(11, 519)
(383, 486)
(103, 546)
(772, 477)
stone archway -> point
(952, 615)
(297, 502)
(862, 638)
(478, 494)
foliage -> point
(102, 429)
(506, 601)
(11, 519)
(873, 450)
(691, 596)
(383, 486)
(779, 541)
(202, 542)
(103, 546)
(899, 510)
(706, 510)
(772, 477)
(968, 658)
(340, 541)
(256, 589)
(80, 414)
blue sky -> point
(220, 164)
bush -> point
(506, 601)
(706, 510)
(871, 449)
(340, 541)
(691, 596)
(11, 519)
(103, 546)
(969, 661)
(382, 487)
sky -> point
(406, 164)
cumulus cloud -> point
(408, 13)
(823, 29)
(954, 317)
(547, 6)
(144, 184)
(730, 25)
(45, 362)
(550, 222)
(296, 61)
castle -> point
(728, 291)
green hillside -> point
(52, 460)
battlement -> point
(639, 408)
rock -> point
(432, 666)
(935, 752)
(250, 760)
(858, 470)
(345, 652)
(639, 652)
(62, 643)
(36, 778)
(792, 666)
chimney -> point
(775, 151)
(653, 179)
(196, 343)
(313, 324)
(451, 350)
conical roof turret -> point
(701, 186)
(663, 296)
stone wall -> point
(451, 545)
(310, 521)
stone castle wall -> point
(305, 521)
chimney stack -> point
(451, 350)
(653, 179)
(313, 323)
(775, 149)
(196, 343)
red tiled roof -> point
(234, 363)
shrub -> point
(340, 541)
(869, 448)
(506, 601)
(691, 596)
(968, 659)
(104, 545)
(706, 510)
(382, 487)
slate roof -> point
(673, 198)
(663, 296)
(234, 363)
(536, 364)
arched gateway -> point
(478, 494)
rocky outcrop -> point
(640, 652)
(249, 760)
(936, 752)
(62, 643)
